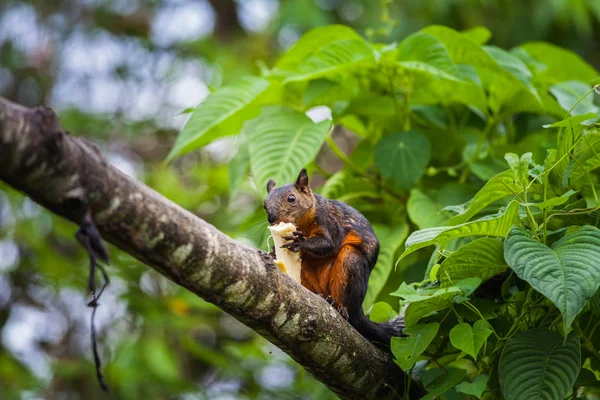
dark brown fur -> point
(339, 250)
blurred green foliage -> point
(120, 72)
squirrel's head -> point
(289, 203)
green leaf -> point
(281, 141)
(474, 388)
(426, 48)
(515, 67)
(221, 114)
(328, 92)
(372, 106)
(510, 90)
(536, 364)
(552, 202)
(324, 51)
(482, 258)
(238, 167)
(567, 273)
(423, 211)
(424, 53)
(470, 339)
(424, 68)
(390, 241)
(353, 124)
(461, 48)
(449, 91)
(519, 166)
(411, 295)
(427, 301)
(558, 64)
(468, 285)
(402, 157)
(444, 382)
(345, 186)
(498, 226)
(478, 34)
(160, 359)
(573, 128)
(576, 122)
(497, 188)
(568, 93)
(406, 350)
(587, 154)
(382, 312)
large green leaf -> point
(402, 157)
(424, 53)
(444, 382)
(568, 93)
(328, 92)
(482, 258)
(510, 63)
(426, 48)
(497, 188)
(345, 186)
(571, 129)
(446, 91)
(498, 226)
(429, 71)
(536, 364)
(382, 312)
(568, 273)
(512, 88)
(324, 51)
(476, 387)
(558, 64)
(390, 241)
(222, 113)
(423, 211)
(238, 167)
(406, 350)
(281, 141)
(470, 339)
(553, 201)
(586, 157)
(461, 48)
(478, 34)
(427, 301)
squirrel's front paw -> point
(296, 241)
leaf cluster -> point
(487, 154)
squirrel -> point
(339, 250)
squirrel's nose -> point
(271, 218)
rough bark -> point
(69, 175)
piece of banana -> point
(291, 261)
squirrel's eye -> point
(291, 198)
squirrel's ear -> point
(270, 185)
(302, 181)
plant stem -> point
(545, 212)
(588, 343)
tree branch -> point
(69, 175)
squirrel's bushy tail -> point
(382, 332)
